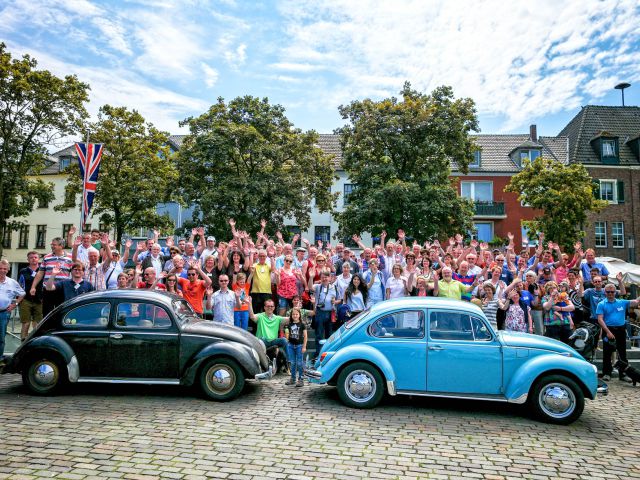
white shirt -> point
(396, 287)
(9, 290)
(223, 305)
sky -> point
(534, 62)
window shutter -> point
(620, 191)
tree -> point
(564, 193)
(137, 172)
(398, 154)
(37, 109)
(245, 160)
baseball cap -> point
(211, 238)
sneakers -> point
(291, 381)
(624, 378)
(606, 378)
(300, 383)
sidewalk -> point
(11, 342)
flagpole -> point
(84, 182)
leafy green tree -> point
(37, 109)
(245, 160)
(137, 172)
(563, 193)
(397, 152)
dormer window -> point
(64, 162)
(605, 146)
(477, 156)
(530, 155)
(609, 148)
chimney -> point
(533, 133)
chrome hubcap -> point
(360, 386)
(557, 400)
(45, 374)
(221, 378)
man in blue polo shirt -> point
(72, 287)
(612, 317)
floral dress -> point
(515, 319)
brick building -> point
(607, 141)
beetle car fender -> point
(356, 352)
(239, 353)
(522, 380)
(47, 343)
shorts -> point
(284, 303)
(30, 311)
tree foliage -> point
(564, 194)
(397, 152)
(37, 109)
(245, 160)
(137, 172)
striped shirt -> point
(95, 276)
(50, 261)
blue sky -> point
(522, 62)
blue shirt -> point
(614, 313)
(526, 298)
(593, 297)
(586, 270)
(72, 289)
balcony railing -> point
(489, 209)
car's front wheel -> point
(44, 375)
(557, 399)
(360, 385)
(221, 379)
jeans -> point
(241, 319)
(610, 346)
(4, 321)
(323, 327)
(559, 332)
(538, 323)
(294, 353)
(277, 342)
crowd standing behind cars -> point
(321, 286)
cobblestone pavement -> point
(273, 431)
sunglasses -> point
(223, 281)
(191, 274)
(288, 261)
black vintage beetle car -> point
(138, 336)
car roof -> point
(125, 294)
(424, 302)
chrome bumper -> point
(313, 374)
(603, 388)
(271, 371)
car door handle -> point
(436, 347)
(117, 336)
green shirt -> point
(453, 289)
(268, 328)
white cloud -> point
(210, 75)
(517, 60)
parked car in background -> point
(137, 336)
(446, 348)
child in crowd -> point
(241, 314)
(296, 334)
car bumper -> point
(271, 371)
(4, 364)
(314, 376)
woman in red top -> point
(286, 280)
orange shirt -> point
(238, 288)
(193, 292)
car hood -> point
(221, 330)
(527, 340)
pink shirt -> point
(287, 287)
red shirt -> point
(147, 286)
(193, 292)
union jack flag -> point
(89, 156)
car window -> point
(457, 326)
(142, 315)
(183, 311)
(404, 324)
(92, 315)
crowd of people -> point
(279, 290)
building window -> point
(483, 231)
(609, 148)
(64, 163)
(293, 231)
(477, 156)
(323, 234)
(477, 191)
(87, 228)
(601, 234)
(617, 234)
(608, 190)
(23, 241)
(43, 203)
(529, 155)
(528, 239)
(104, 228)
(348, 188)
(41, 236)
(65, 231)
(6, 240)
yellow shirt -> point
(261, 278)
(453, 289)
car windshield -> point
(183, 311)
(355, 320)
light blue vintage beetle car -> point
(447, 348)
